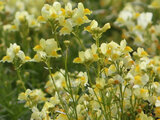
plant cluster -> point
(115, 81)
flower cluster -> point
(95, 30)
(90, 55)
(123, 83)
(66, 17)
(46, 48)
(32, 97)
(23, 16)
(138, 26)
(14, 54)
(106, 81)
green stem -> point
(97, 42)
(103, 103)
(132, 105)
(98, 63)
(121, 100)
(50, 73)
(100, 104)
(20, 78)
(70, 86)
(79, 41)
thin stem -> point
(121, 100)
(50, 73)
(100, 104)
(97, 42)
(103, 101)
(20, 78)
(70, 86)
(79, 41)
(132, 104)
(98, 62)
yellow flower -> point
(93, 27)
(14, 52)
(54, 100)
(112, 69)
(79, 15)
(6, 58)
(141, 93)
(100, 83)
(40, 19)
(138, 80)
(140, 53)
(67, 27)
(20, 17)
(87, 11)
(68, 10)
(144, 19)
(37, 48)
(47, 48)
(90, 55)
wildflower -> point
(40, 56)
(54, 100)
(124, 48)
(112, 69)
(108, 49)
(141, 93)
(118, 79)
(46, 48)
(141, 80)
(10, 27)
(59, 79)
(67, 27)
(21, 17)
(124, 16)
(100, 83)
(94, 29)
(82, 79)
(81, 111)
(144, 19)
(90, 55)
(38, 115)
(14, 52)
(66, 18)
(41, 19)
(46, 11)
(32, 22)
(68, 10)
(140, 53)
(79, 16)
(32, 97)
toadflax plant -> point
(117, 82)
